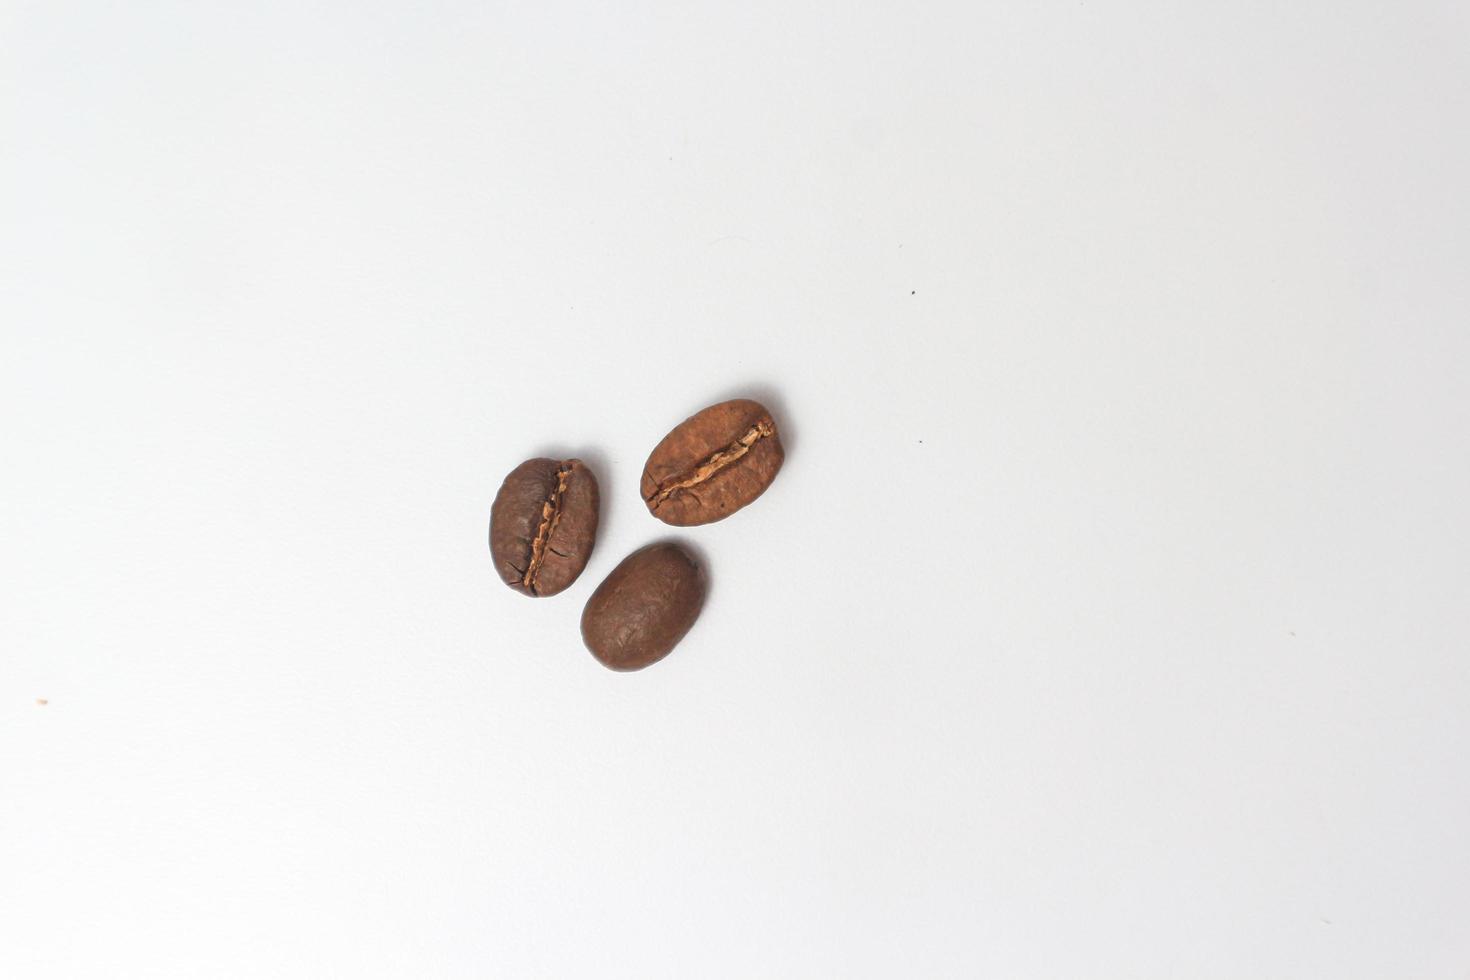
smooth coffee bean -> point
(644, 608)
(712, 464)
(543, 525)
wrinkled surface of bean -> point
(712, 464)
(644, 607)
(543, 525)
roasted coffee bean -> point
(543, 525)
(644, 607)
(712, 464)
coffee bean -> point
(644, 608)
(543, 525)
(712, 464)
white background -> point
(1108, 620)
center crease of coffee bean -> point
(550, 516)
(714, 464)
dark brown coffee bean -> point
(712, 464)
(644, 607)
(543, 525)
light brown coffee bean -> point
(543, 525)
(712, 464)
(644, 608)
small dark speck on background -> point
(913, 292)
